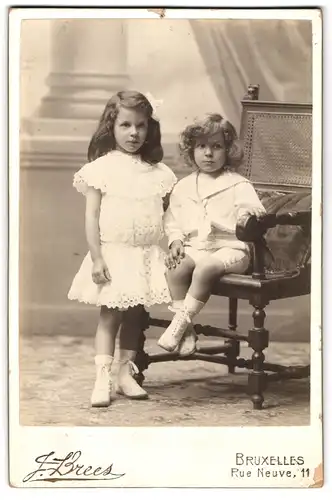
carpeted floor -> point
(57, 375)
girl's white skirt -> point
(137, 277)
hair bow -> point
(155, 103)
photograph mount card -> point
(165, 248)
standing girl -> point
(200, 223)
(125, 185)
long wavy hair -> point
(211, 124)
(103, 140)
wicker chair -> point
(277, 139)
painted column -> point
(88, 65)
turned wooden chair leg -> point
(142, 358)
(258, 340)
(233, 345)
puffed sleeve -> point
(91, 175)
(168, 179)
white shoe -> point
(188, 343)
(127, 385)
(172, 336)
(102, 391)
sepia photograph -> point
(165, 242)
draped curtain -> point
(276, 54)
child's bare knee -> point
(208, 270)
(182, 271)
(110, 316)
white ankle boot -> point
(127, 385)
(102, 391)
(172, 336)
(187, 345)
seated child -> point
(200, 224)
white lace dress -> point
(131, 229)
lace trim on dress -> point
(123, 302)
(125, 177)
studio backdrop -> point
(70, 68)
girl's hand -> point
(175, 255)
(100, 272)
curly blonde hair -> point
(211, 124)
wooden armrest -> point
(254, 227)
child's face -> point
(210, 153)
(130, 130)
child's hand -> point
(244, 216)
(256, 211)
(175, 255)
(100, 272)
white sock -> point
(192, 305)
(177, 304)
(103, 359)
